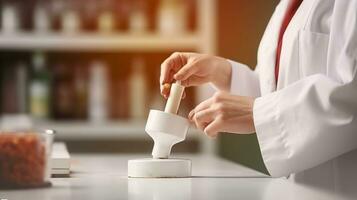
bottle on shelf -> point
(13, 88)
(63, 93)
(41, 17)
(22, 76)
(119, 98)
(138, 89)
(57, 8)
(10, 18)
(122, 15)
(98, 92)
(71, 22)
(89, 15)
(9, 105)
(172, 17)
(39, 87)
(81, 92)
(138, 21)
(25, 11)
(106, 19)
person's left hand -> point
(224, 112)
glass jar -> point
(25, 158)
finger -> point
(165, 69)
(207, 115)
(171, 65)
(166, 86)
(185, 72)
(190, 115)
(203, 118)
(193, 81)
(203, 105)
(165, 89)
(213, 128)
(199, 107)
(199, 124)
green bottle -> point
(40, 87)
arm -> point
(315, 119)
(244, 82)
(306, 124)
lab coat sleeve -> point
(244, 81)
(314, 119)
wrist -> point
(223, 75)
(252, 115)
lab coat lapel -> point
(268, 46)
(289, 59)
(267, 49)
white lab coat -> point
(307, 124)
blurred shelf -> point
(83, 130)
(98, 42)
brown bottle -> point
(63, 93)
(81, 92)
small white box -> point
(60, 159)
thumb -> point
(193, 81)
(185, 72)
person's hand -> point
(224, 112)
(194, 69)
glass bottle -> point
(57, 9)
(71, 22)
(89, 15)
(138, 22)
(39, 87)
(81, 92)
(106, 17)
(10, 19)
(63, 93)
(138, 89)
(172, 17)
(42, 18)
(98, 92)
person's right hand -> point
(194, 69)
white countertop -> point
(104, 176)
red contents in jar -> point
(22, 160)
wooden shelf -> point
(98, 42)
(203, 41)
(83, 130)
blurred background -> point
(89, 69)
